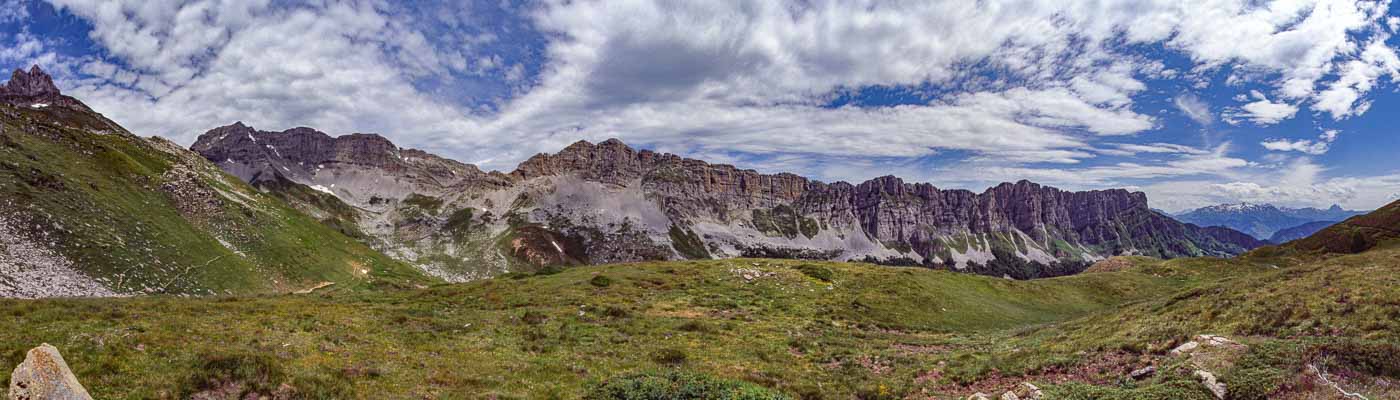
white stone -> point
(1208, 379)
(1185, 348)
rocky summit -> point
(608, 202)
(35, 89)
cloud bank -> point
(1065, 92)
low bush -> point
(817, 272)
(600, 281)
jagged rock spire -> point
(33, 83)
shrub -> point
(817, 272)
(694, 326)
(258, 374)
(679, 386)
(669, 356)
(533, 317)
(427, 203)
(616, 312)
(1254, 383)
(600, 281)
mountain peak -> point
(34, 83)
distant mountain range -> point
(1263, 221)
(607, 202)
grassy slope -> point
(1343, 312)
(101, 198)
(552, 334)
(1356, 234)
(871, 332)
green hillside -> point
(1356, 234)
(810, 330)
(145, 216)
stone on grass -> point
(45, 376)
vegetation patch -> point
(817, 272)
(784, 221)
(423, 202)
(688, 244)
(679, 386)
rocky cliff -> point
(608, 202)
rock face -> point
(45, 376)
(614, 203)
(35, 89)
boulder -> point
(1185, 348)
(45, 376)
(1027, 391)
(1208, 379)
(1143, 373)
(979, 396)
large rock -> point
(45, 376)
(1211, 383)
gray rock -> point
(45, 376)
(1185, 348)
(1208, 379)
(1143, 373)
(1029, 391)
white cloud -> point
(1306, 146)
(1194, 108)
(13, 10)
(1016, 82)
(1300, 183)
(1261, 112)
(1343, 97)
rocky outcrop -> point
(594, 192)
(45, 376)
(35, 89)
(360, 167)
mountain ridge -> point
(665, 206)
(1261, 220)
(90, 209)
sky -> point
(1193, 102)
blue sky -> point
(1283, 102)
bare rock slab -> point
(45, 376)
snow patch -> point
(38, 105)
(323, 189)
